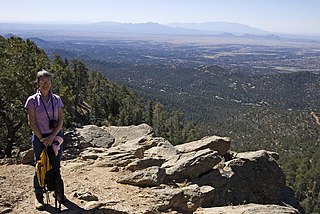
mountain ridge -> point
(147, 27)
(220, 27)
(228, 29)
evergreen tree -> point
(149, 113)
(19, 61)
(80, 72)
(175, 128)
(64, 86)
(159, 120)
(192, 132)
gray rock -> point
(120, 155)
(190, 165)
(207, 195)
(252, 177)
(27, 157)
(137, 146)
(94, 136)
(86, 196)
(255, 178)
(170, 199)
(248, 209)
(5, 210)
(152, 176)
(114, 169)
(144, 163)
(122, 134)
(162, 149)
(91, 153)
(183, 200)
(219, 180)
(107, 157)
(119, 159)
(207, 180)
(215, 143)
(94, 205)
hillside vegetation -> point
(255, 98)
(276, 112)
(88, 96)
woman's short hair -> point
(43, 73)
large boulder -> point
(162, 149)
(215, 143)
(183, 200)
(190, 165)
(251, 177)
(151, 176)
(256, 178)
(122, 134)
(93, 136)
(122, 154)
(137, 145)
(249, 209)
(220, 181)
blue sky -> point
(284, 16)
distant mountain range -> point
(220, 27)
(206, 28)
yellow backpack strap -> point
(48, 164)
(38, 171)
(40, 168)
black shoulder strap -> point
(46, 108)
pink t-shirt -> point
(42, 119)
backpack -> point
(42, 166)
(49, 175)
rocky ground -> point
(88, 188)
(92, 189)
(127, 170)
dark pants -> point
(37, 149)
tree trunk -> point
(11, 136)
(8, 149)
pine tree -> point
(159, 120)
(80, 72)
(175, 128)
(19, 62)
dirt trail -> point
(81, 178)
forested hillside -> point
(273, 111)
(88, 96)
(276, 112)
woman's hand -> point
(47, 141)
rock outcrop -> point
(215, 143)
(249, 209)
(193, 177)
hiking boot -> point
(38, 202)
